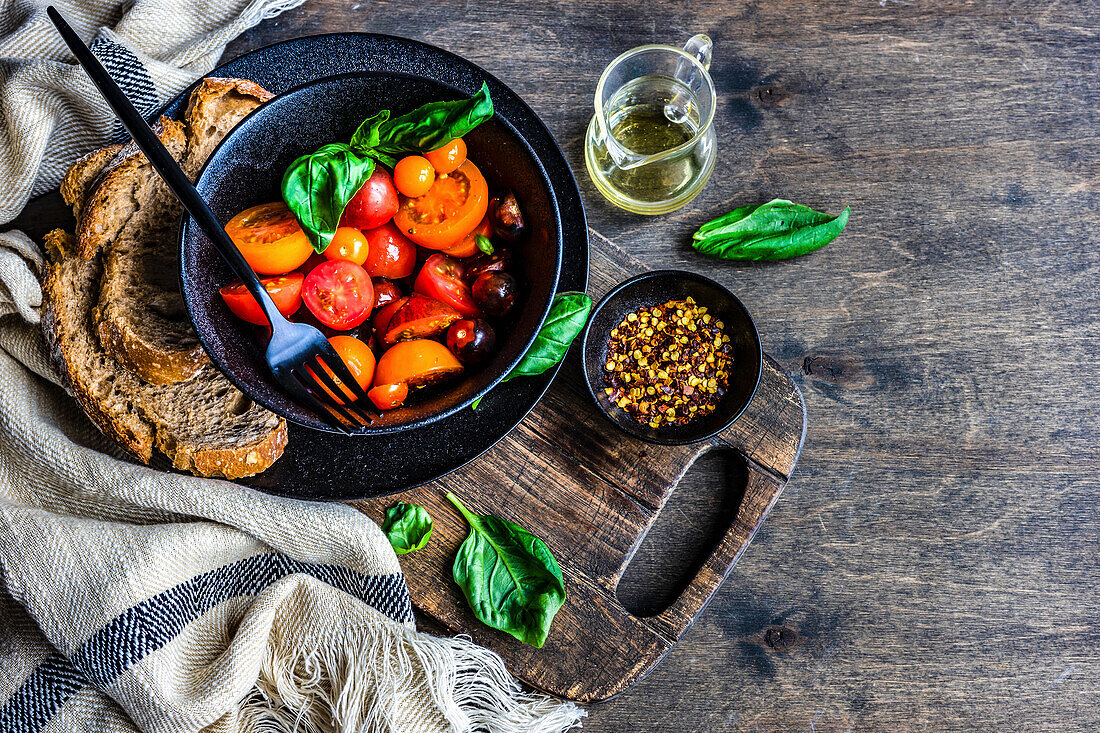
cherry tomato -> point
(339, 293)
(468, 246)
(471, 340)
(449, 157)
(416, 363)
(495, 292)
(374, 204)
(285, 290)
(441, 278)
(270, 239)
(348, 244)
(385, 292)
(360, 362)
(498, 261)
(413, 175)
(419, 317)
(391, 253)
(383, 317)
(450, 210)
(388, 396)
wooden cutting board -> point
(591, 492)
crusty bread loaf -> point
(205, 425)
(113, 314)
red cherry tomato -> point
(388, 396)
(413, 175)
(285, 290)
(348, 243)
(360, 362)
(374, 204)
(385, 292)
(449, 157)
(270, 239)
(391, 253)
(441, 278)
(339, 293)
(416, 363)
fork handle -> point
(165, 165)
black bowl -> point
(247, 169)
(653, 289)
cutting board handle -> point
(675, 620)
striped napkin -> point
(135, 599)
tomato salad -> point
(413, 283)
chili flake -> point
(668, 365)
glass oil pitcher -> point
(650, 147)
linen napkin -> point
(135, 599)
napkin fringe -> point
(348, 684)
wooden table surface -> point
(933, 563)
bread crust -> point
(83, 173)
(214, 108)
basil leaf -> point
(509, 577)
(366, 138)
(433, 125)
(776, 230)
(484, 244)
(568, 314)
(319, 185)
(408, 527)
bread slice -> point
(214, 108)
(134, 217)
(204, 426)
(82, 174)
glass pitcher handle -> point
(700, 46)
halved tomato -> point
(388, 396)
(441, 278)
(385, 314)
(339, 293)
(270, 239)
(468, 246)
(285, 290)
(360, 362)
(450, 210)
(420, 317)
(416, 363)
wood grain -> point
(591, 492)
(933, 565)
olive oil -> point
(652, 119)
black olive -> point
(495, 293)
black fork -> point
(300, 357)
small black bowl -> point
(653, 289)
(247, 169)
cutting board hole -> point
(684, 533)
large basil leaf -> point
(433, 125)
(776, 230)
(319, 185)
(408, 527)
(366, 138)
(568, 314)
(509, 577)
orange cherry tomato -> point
(360, 362)
(285, 290)
(452, 207)
(388, 396)
(348, 244)
(449, 157)
(416, 363)
(468, 246)
(270, 239)
(413, 175)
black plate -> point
(247, 169)
(653, 289)
(325, 467)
